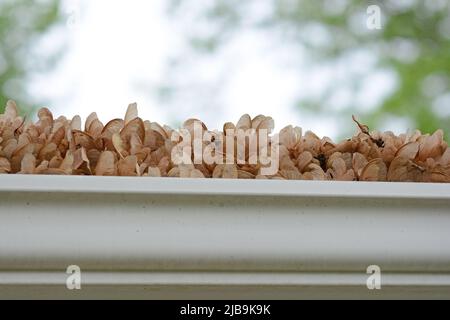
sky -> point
(118, 51)
(110, 46)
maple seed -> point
(137, 148)
(365, 129)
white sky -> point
(114, 46)
(111, 44)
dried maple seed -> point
(134, 147)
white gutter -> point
(176, 238)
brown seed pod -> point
(245, 175)
(338, 170)
(114, 126)
(82, 139)
(5, 166)
(18, 155)
(154, 172)
(444, 160)
(28, 164)
(290, 137)
(226, 171)
(135, 126)
(45, 123)
(314, 172)
(405, 170)
(128, 167)
(106, 165)
(359, 162)
(93, 126)
(67, 164)
(75, 124)
(409, 150)
(304, 160)
(375, 170)
(132, 113)
(82, 164)
(244, 123)
(133, 147)
(119, 145)
(431, 146)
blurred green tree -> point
(22, 24)
(413, 44)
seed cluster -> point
(133, 147)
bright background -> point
(307, 63)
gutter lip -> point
(222, 187)
(291, 279)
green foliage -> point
(413, 44)
(22, 24)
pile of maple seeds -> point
(134, 147)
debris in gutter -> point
(134, 147)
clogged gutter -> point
(134, 147)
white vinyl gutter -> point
(222, 239)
